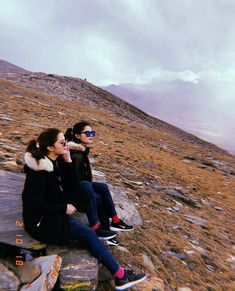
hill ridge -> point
(9, 68)
(73, 88)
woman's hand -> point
(81, 148)
(66, 155)
(76, 146)
(70, 209)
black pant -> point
(95, 198)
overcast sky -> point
(120, 41)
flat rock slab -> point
(28, 272)
(8, 280)
(20, 238)
(79, 270)
(196, 220)
(11, 223)
(125, 208)
(50, 267)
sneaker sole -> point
(130, 284)
(119, 229)
(106, 237)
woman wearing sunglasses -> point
(47, 212)
(94, 197)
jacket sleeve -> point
(35, 194)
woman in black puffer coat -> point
(47, 211)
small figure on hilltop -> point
(47, 211)
(94, 197)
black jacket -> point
(45, 197)
(82, 165)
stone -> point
(10, 148)
(151, 283)
(148, 262)
(189, 252)
(175, 208)
(182, 197)
(156, 186)
(98, 176)
(124, 207)
(5, 117)
(218, 208)
(50, 267)
(11, 166)
(231, 259)
(177, 228)
(8, 280)
(28, 272)
(206, 202)
(2, 155)
(196, 220)
(122, 249)
(12, 231)
(195, 242)
(133, 184)
(79, 270)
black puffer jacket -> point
(45, 198)
(82, 165)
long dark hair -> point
(38, 146)
(77, 129)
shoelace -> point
(130, 273)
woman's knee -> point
(86, 188)
(102, 188)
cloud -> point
(121, 40)
(166, 75)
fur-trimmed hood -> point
(41, 165)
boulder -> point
(50, 267)
(28, 272)
(79, 270)
(8, 280)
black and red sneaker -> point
(130, 279)
(113, 242)
(121, 226)
(105, 234)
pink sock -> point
(120, 273)
(96, 226)
(115, 219)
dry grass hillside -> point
(183, 187)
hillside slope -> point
(85, 93)
(9, 68)
(183, 187)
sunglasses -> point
(89, 133)
(63, 142)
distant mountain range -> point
(197, 108)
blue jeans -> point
(97, 201)
(86, 235)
